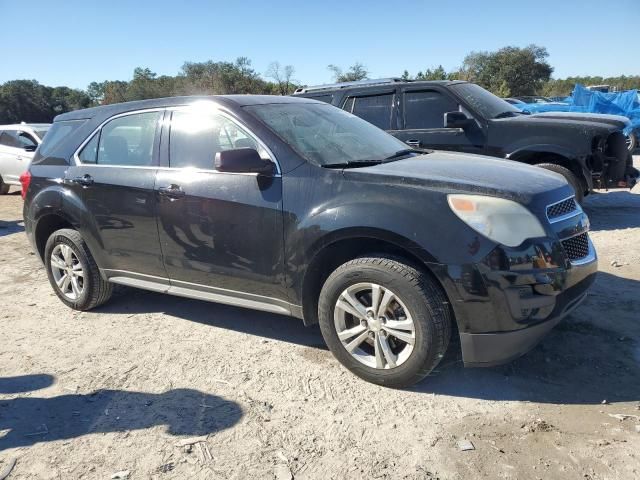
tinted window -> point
(196, 137)
(8, 139)
(56, 134)
(426, 109)
(324, 134)
(374, 109)
(128, 140)
(323, 98)
(89, 153)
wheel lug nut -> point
(363, 323)
(372, 335)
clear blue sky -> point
(73, 42)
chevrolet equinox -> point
(292, 206)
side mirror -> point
(456, 120)
(30, 148)
(242, 160)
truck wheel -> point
(569, 176)
(632, 141)
(73, 272)
(384, 320)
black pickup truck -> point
(589, 150)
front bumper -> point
(503, 309)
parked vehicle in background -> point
(533, 99)
(17, 144)
(587, 149)
(292, 206)
(598, 99)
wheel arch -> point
(342, 246)
(558, 156)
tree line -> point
(509, 71)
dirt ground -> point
(87, 395)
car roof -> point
(370, 83)
(226, 100)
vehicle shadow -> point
(27, 420)
(252, 322)
(591, 356)
(613, 210)
(11, 227)
(25, 383)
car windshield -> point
(326, 135)
(483, 101)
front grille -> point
(577, 247)
(561, 208)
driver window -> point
(196, 137)
(426, 109)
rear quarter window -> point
(58, 132)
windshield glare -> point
(483, 101)
(326, 135)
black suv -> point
(589, 150)
(292, 206)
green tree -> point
(510, 71)
(356, 72)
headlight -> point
(498, 219)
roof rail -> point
(333, 86)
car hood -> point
(616, 120)
(468, 173)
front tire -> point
(73, 273)
(571, 178)
(384, 320)
(632, 141)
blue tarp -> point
(583, 100)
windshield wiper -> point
(353, 164)
(404, 152)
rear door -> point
(375, 105)
(421, 115)
(114, 175)
(221, 233)
(14, 159)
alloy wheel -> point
(374, 325)
(67, 271)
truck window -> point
(426, 109)
(374, 109)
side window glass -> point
(426, 109)
(195, 138)
(26, 140)
(348, 105)
(10, 139)
(323, 98)
(128, 140)
(374, 109)
(89, 153)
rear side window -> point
(196, 137)
(8, 138)
(323, 98)
(426, 109)
(124, 141)
(374, 109)
(56, 134)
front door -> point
(16, 150)
(221, 233)
(422, 123)
(114, 176)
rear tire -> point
(395, 343)
(571, 178)
(73, 273)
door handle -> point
(19, 158)
(413, 143)
(173, 191)
(84, 180)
